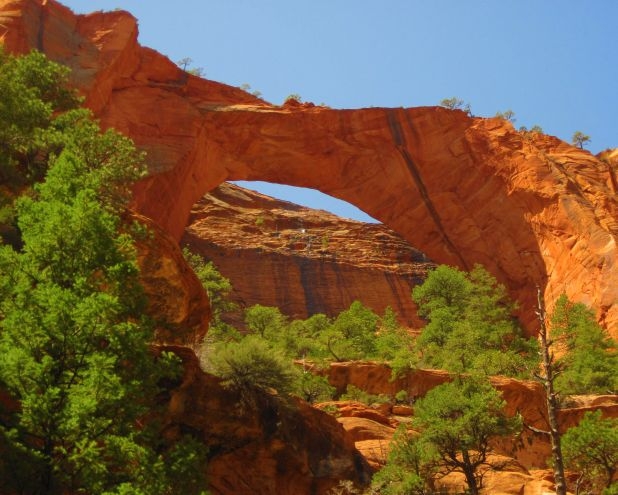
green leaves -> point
(409, 467)
(33, 92)
(252, 366)
(591, 448)
(458, 419)
(74, 342)
(590, 360)
(470, 327)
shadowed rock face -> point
(301, 260)
(272, 446)
(531, 208)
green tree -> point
(352, 335)
(266, 321)
(455, 103)
(395, 344)
(579, 139)
(507, 115)
(72, 321)
(303, 337)
(314, 388)
(591, 449)
(74, 340)
(410, 466)
(470, 327)
(252, 367)
(590, 359)
(34, 95)
(32, 121)
(459, 419)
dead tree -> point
(547, 377)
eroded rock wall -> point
(531, 208)
(301, 260)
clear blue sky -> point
(553, 63)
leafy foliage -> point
(590, 360)
(314, 388)
(352, 334)
(218, 289)
(74, 341)
(266, 321)
(591, 449)
(34, 95)
(579, 139)
(470, 326)
(458, 419)
(410, 466)
(252, 367)
(455, 103)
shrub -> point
(251, 366)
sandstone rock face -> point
(287, 448)
(531, 208)
(176, 299)
(521, 396)
(303, 261)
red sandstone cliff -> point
(531, 208)
(301, 260)
(526, 456)
(278, 446)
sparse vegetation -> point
(247, 87)
(455, 103)
(185, 63)
(535, 129)
(580, 139)
(507, 115)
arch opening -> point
(303, 260)
(311, 198)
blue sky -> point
(554, 63)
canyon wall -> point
(301, 260)
(531, 208)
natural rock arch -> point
(463, 190)
(532, 209)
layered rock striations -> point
(301, 260)
(531, 208)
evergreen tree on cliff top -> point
(74, 342)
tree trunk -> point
(469, 470)
(551, 399)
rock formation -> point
(276, 446)
(531, 208)
(176, 299)
(372, 427)
(301, 260)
